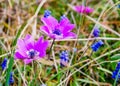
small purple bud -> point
(47, 13)
(4, 63)
(96, 32)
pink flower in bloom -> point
(83, 9)
(29, 50)
(55, 29)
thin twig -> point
(55, 64)
(86, 39)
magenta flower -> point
(29, 50)
(55, 29)
(83, 9)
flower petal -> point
(41, 46)
(50, 21)
(27, 61)
(68, 28)
(37, 45)
(70, 35)
(88, 10)
(28, 39)
(19, 56)
(45, 45)
(64, 21)
(79, 9)
(30, 46)
(45, 29)
(21, 45)
(42, 54)
(54, 36)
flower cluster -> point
(4, 64)
(116, 72)
(64, 58)
(82, 9)
(11, 80)
(47, 13)
(96, 32)
(55, 29)
(29, 50)
(97, 45)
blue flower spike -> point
(64, 58)
(97, 45)
(11, 80)
(96, 32)
(47, 13)
(4, 64)
(116, 71)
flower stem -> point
(51, 48)
(35, 72)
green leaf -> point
(86, 81)
(115, 57)
(9, 70)
(12, 58)
(105, 70)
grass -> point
(85, 68)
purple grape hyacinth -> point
(97, 45)
(4, 64)
(29, 50)
(47, 13)
(116, 72)
(11, 80)
(55, 29)
(82, 9)
(96, 32)
(64, 58)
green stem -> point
(35, 71)
(51, 48)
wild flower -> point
(83, 9)
(116, 72)
(11, 80)
(64, 58)
(4, 64)
(97, 45)
(96, 32)
(47, 13)
(29, 49)
(55, 29)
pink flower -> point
(29, 50)
(83, 9)
(55, 29)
